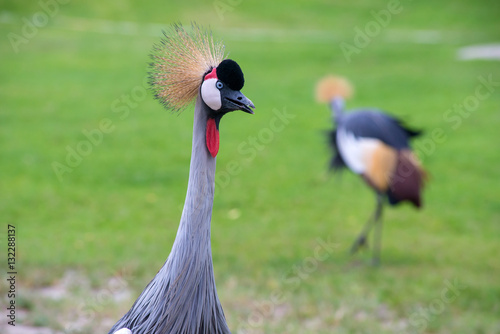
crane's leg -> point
(378, 232)
(361, 239)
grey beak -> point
(248, 105)
(235, 100)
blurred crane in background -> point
(182, 298)
(375, 146)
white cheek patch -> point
(210, 94)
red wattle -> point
(212, 137)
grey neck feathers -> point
(197, 212)
(337, 105)
(182, 298)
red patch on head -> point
(211, 75)
(212, 137)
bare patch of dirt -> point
(70, 305)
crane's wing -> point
(377, 125)
(377, 146)
(409, 131)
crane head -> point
(331, 87)
(220, 91)
(180, 62)
(188, 63)
(221, 87)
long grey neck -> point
(197, 211)
(182, 298)
(337, 106)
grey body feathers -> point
(367, 123)
(375, 124)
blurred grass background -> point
(118, 209)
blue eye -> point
(219, 85)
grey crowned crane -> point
(375, 146)
(182, 297)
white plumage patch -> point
(123, 331)
(356, 152)
(210, 94)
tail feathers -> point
(409, 131)
(337, 163)
(407, 181)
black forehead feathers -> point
(229, 72)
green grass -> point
(119, 209)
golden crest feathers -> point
(179, 62)
(331, 86)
